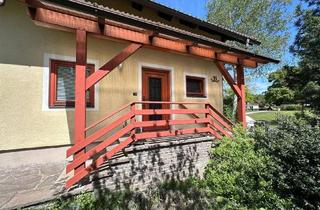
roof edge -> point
(213, 26)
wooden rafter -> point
(50, 18)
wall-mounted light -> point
(2, 2)
(214, 79)
(120, 67)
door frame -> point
(170, 69)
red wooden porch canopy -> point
(85, 18)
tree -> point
(307, 47)
(285, 86)
(265, 20)
(278, 96)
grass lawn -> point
(270, 115)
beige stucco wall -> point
(24, 52)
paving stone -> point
(145, 164)
(5, 198)
(27, 197)
(48, 182)
(55, 168)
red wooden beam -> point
(171, 122)
(220, 115)
(218, 127)
(170, 111)
(67, 20)
(242, 99)
(101, 146)
(84, 172)
(80, 91)
(219, 120)
(98, 134)
(156, 134)
(113, 63)
(229, 78)
(185, 107)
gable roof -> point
(214, 27)
(92, 8)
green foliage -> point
(307, 47)
(266, 20)
(168, 195)
(241, 176)
(291, 107)
(285, 86)
(250, 98)
(310, 116)
(294, 146)
(278, 96)
(82, 201)
(260, 99)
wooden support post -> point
(242, 98)
(80, 92)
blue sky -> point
(197, 8)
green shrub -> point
(168, 195)
(291, 107)
(294, 146)
(240, 176)
(309, 116)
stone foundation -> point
(38, 175)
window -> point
(62, 80)
(195, 87)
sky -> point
(197, 8)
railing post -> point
(133, 119)
(80, 92)
(241, 100)
(207, 116)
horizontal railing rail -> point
(123, 124)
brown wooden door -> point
(155, 87)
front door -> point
(155, 87)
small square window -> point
(62, 81)
(195, 87)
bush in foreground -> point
(240, 176)
(168, 195)
(294, 146)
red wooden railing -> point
(204, 120)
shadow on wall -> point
(149, 164)
(151, 179)
(146, 169)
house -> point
(91, 79)
(253, 107)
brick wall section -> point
(140, 166)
